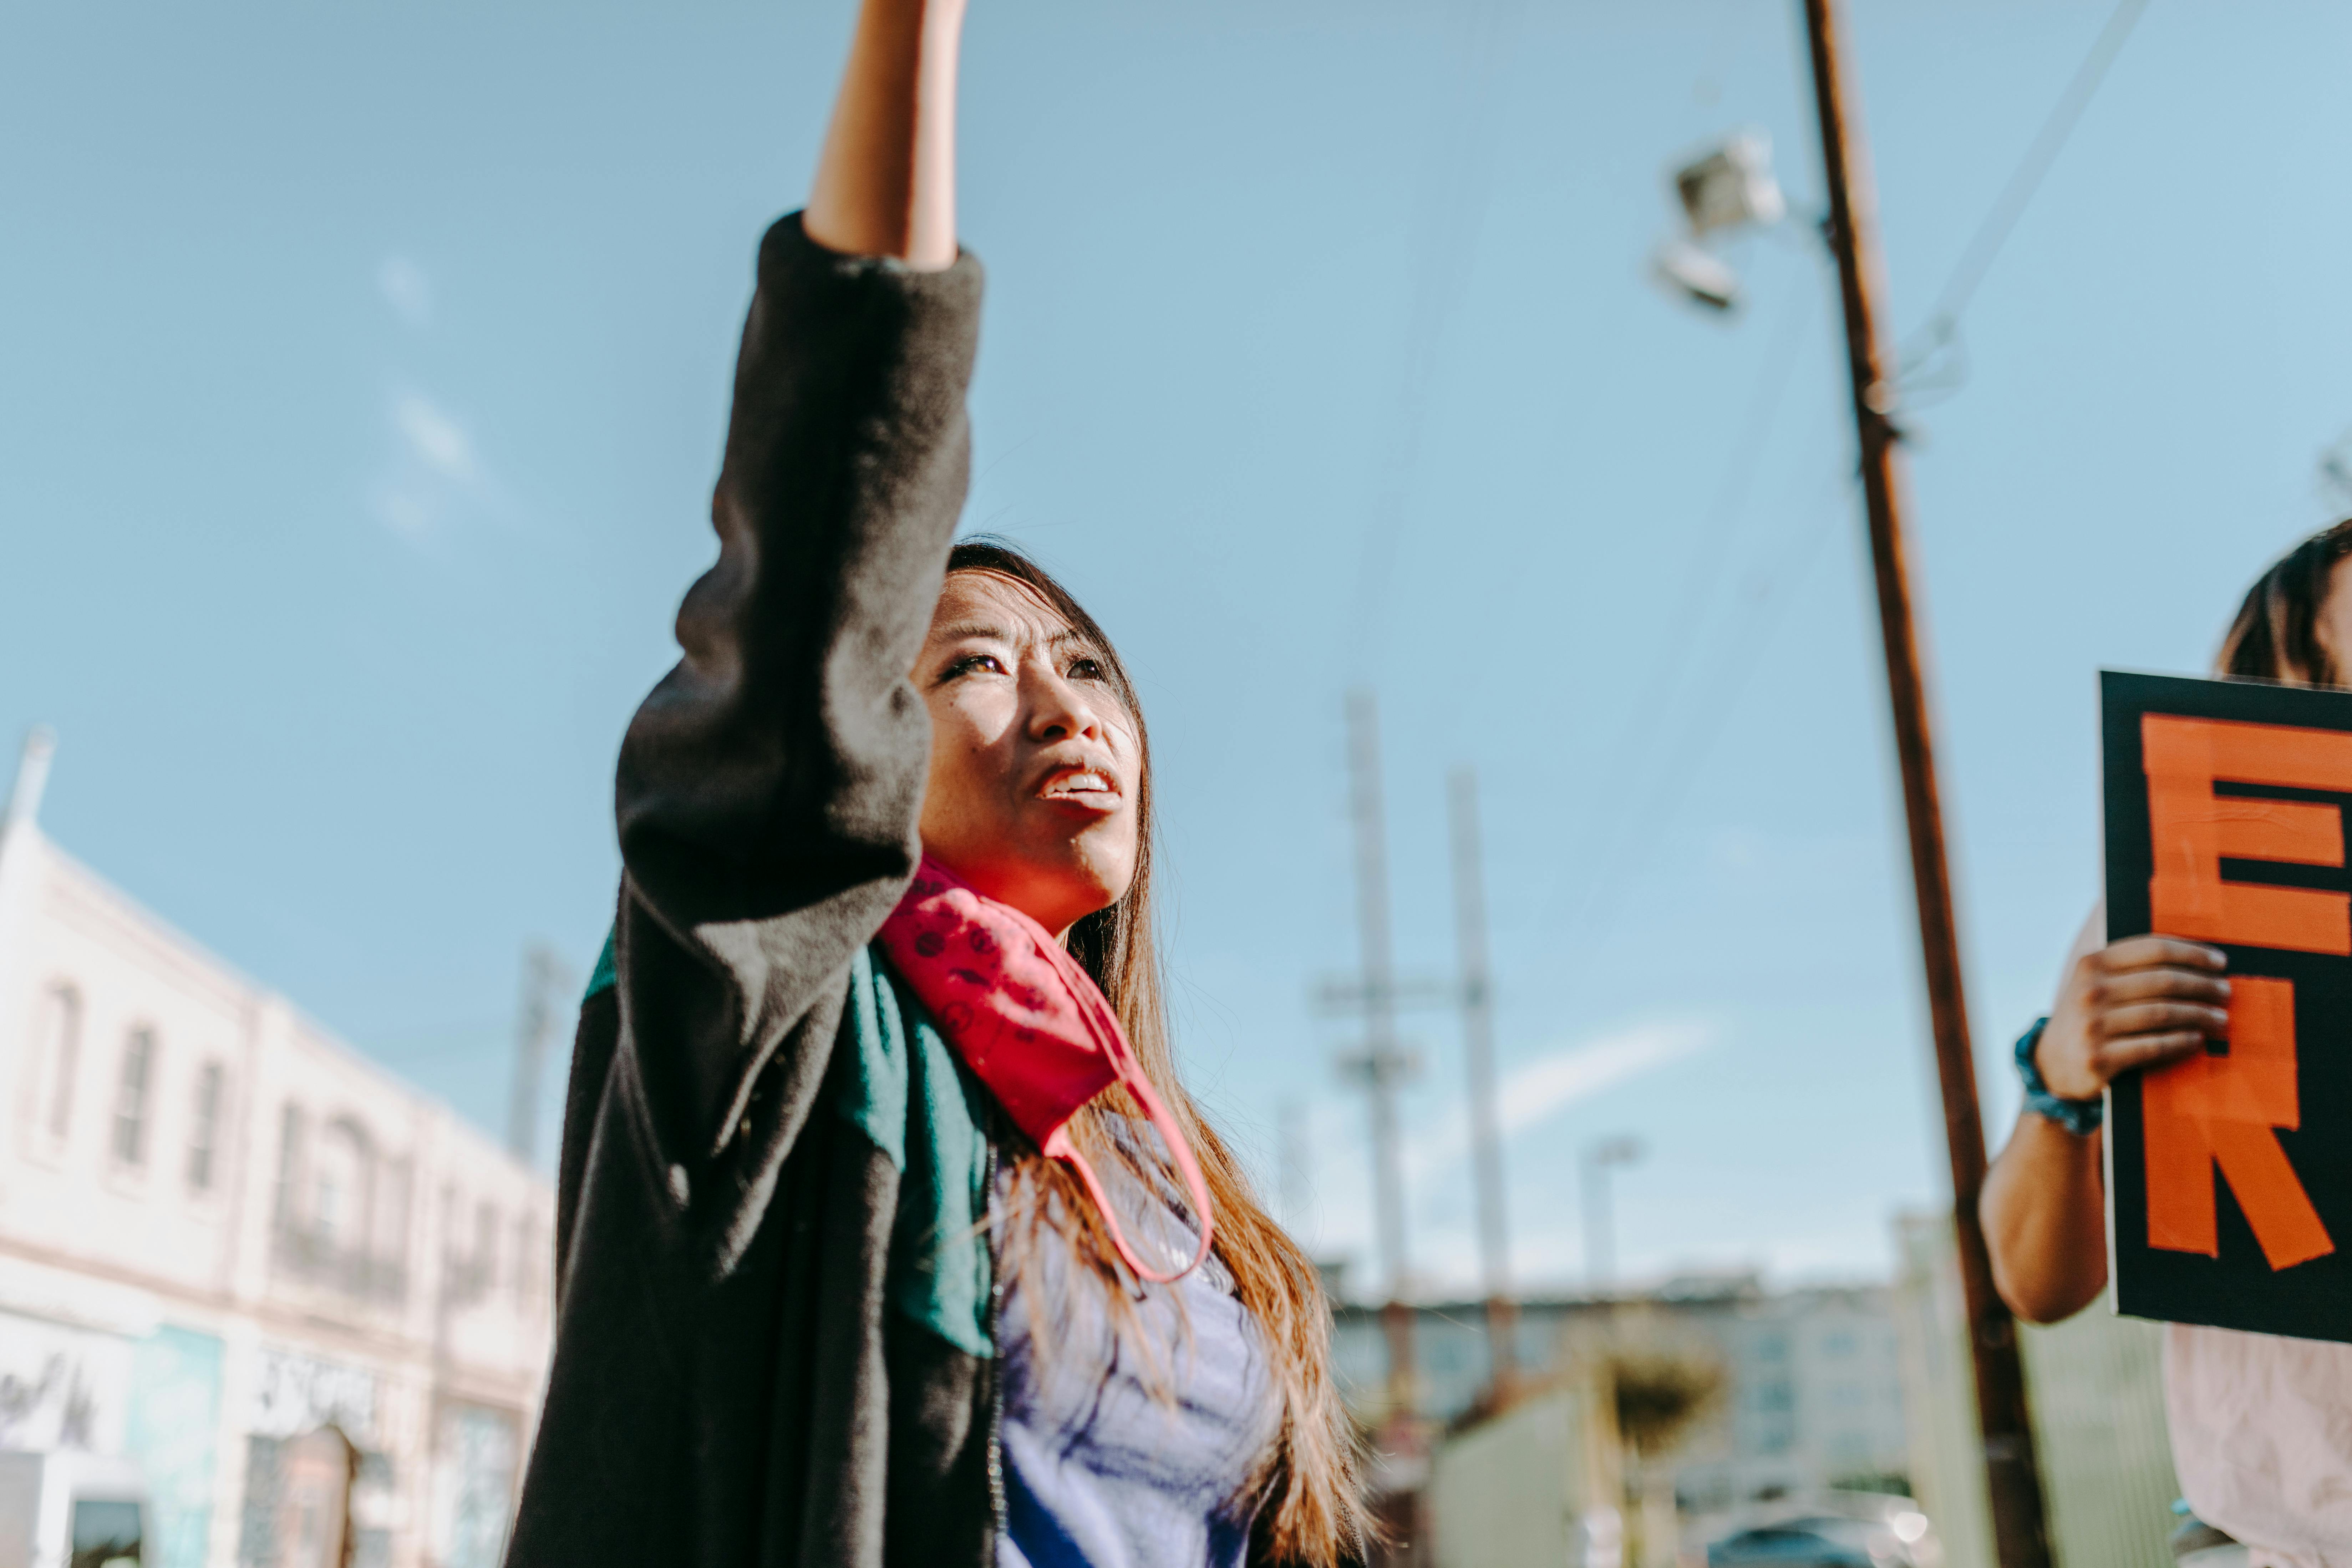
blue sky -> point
(362, 372)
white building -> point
(221, 1228)
(2095, 1387)
(1812, 1394)
(1816, 1400)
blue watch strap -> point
(2080, 1117)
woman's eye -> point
(1085, 669)
(970, 664)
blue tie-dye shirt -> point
(1109, 1463)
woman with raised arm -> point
(2261, 1425)
(887, 1233)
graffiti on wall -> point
(296, 1392)
(61, 1387)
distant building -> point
(221, 1228)
(1814, 1390)
(2096, 1386)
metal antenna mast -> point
(1478, 1048)
(542, 977)
(1382, 1062)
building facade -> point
(221, 1228)
(1812, 1397)
(2094, 1385)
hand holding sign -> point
(2136, 1003)
(2225, 824)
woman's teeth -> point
(1075, 784)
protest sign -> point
(2229, 1173)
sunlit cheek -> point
(972, 760)
(968, 718)
(1121, 735)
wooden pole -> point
(1478, 1047)
(1383, 1061)
(542, 978)
(2011, 1478)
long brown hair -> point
(2276, 634)
(1310, 1494)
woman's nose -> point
(1058, 709)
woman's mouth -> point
(1081, 787)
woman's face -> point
(1034, 764)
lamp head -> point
(1731, 187)
(1701, 277)
(1728, 188)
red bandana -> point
(1032, 1023)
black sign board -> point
(2229, 1174)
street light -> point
(1600, 1223)
(2004, 1417)
(1724, 191)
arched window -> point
(327, 1197)
(130, 1097)
(291, 1139)
(342, 1188)
(203, 1142)
(59, 1059)
(399, 1180)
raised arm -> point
(769, 787)
(886, 181)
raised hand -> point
(885, 181)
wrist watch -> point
(2080, 1117)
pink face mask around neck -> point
(1032, 1024)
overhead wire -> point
(1788, 568)
(1624, 845)
(1737, 653)
(1451, 212)
(1653, 708)
(1940, 335)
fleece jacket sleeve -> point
(769, 788)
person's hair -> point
(2276, 634)
(1311, 1507)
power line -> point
(1654, 710)
(1642, 828)
(1621, 853)
(1450, 213)
(1993, 231)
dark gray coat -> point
(728, 1389)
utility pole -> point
(542, 977)
(2012, 1480)
(1382, 1063)
(1290, 1179)
(1599, 1215)
(1478, 1049)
